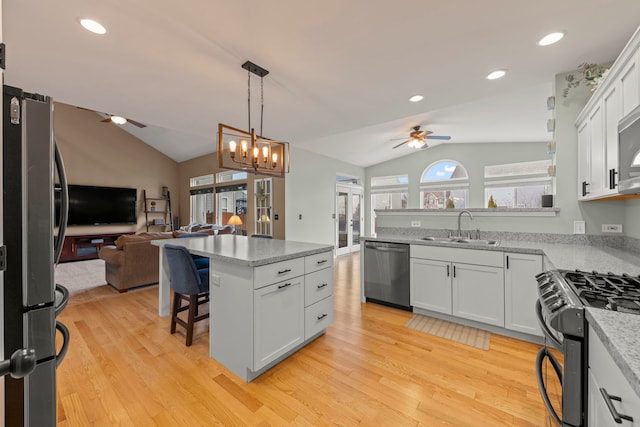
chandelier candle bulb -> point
(265, 154)
(232, 149)
(274, 160)
(243, 144)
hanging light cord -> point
(261, 100)
(261, 103)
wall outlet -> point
(415, 223)
(612, 228)
(578, 227)
(215, 279)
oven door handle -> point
(544, 352)
(545, 329)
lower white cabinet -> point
(466, 283)
(607, 386)
(431, 285)
(478, 293)
(521, 292)
(278, 320)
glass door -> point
(263, 195)
(348, 219)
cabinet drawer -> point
(317, 286)
(606, 374)
(318, 262)
(318, 317)
(276, 272)
(467, 256)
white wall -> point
(631, 226)
(310, 192)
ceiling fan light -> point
(496, 74)
(118, 120)
(416, 98)
(550, 38)
(93, 26)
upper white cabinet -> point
(597, 124)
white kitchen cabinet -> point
(597, 125)
(278, 320)
(466, 283)
(521, 292)
(478, 293)
(604, 375)
(262, 314)
(431, 285)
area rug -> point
(451, 331)
(81, 276)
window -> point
(201, 180)
(444, 184)
(388, 192)
(517, 185)
(227, 176)
(201, 206)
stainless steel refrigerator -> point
(29, 298)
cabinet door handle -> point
(284, 286)
(612, 179)
(617, 417)
(322, 316)
(322, 261)
(322, 285)
(507, 262)
(288, 270)
(448, 270)
(454, 271)
(585, 184)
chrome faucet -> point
(459, 218)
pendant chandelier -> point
(246, 150)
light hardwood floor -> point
(124, 368)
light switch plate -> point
(578, 227)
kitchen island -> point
(269, 297)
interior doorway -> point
(349, 219)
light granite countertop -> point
(620, 332)
(243, 250)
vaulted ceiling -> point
(341, 72)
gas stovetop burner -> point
(606, 290)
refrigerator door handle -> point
(21, 363)
(64, 204)
(65, 343)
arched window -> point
(444, 184)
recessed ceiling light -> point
(118, 120)
(550, 39)
(416, 98)
(93, 26)
(496, 74)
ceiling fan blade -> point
(398, 139)
(402, 143)
(108, 119)
(445, 138)
(140, 125)
(425, 145)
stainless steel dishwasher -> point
(386, 274)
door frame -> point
(351, 190)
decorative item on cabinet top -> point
(592, 76)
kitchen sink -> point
(479, 242)
(461, 240)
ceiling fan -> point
(116, 119)
(417, 138)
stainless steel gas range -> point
(563, 296)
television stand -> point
(86, 246)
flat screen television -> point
(91, 205)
